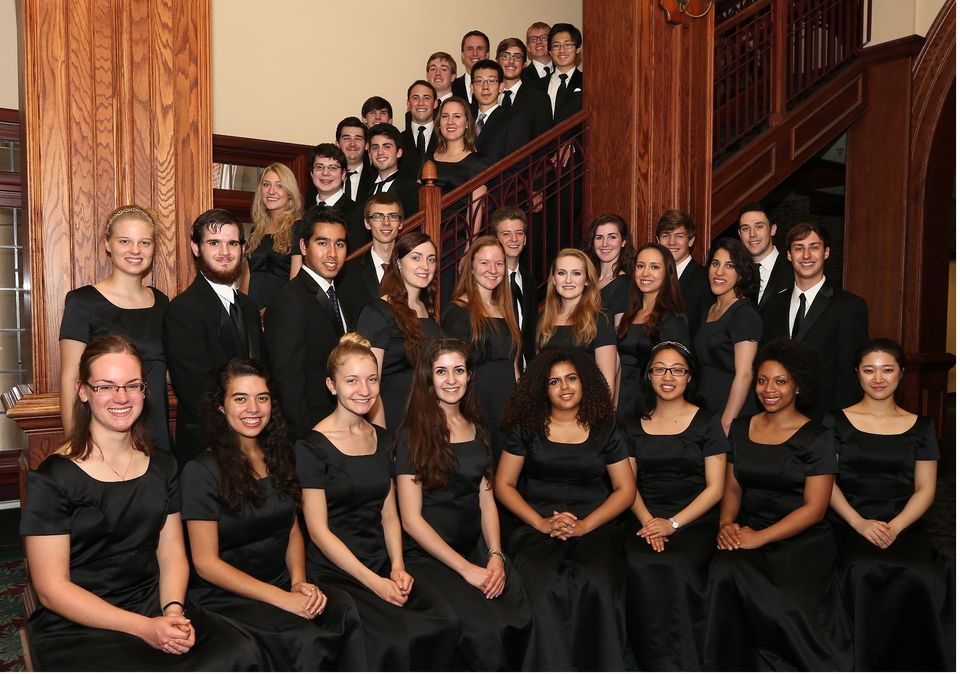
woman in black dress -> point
(609, 245)
(399, 323)
(774, 602)
(452, 529)
(898, 590)
(104, 542)
(481, 315)
(120, 304)
(564, 473)
(654, 313)
(272, 256)
(349, 505)
(572, 316)
(240, 503)
(679, 459)
(726, 341)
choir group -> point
(705, 466)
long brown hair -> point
(669, 298)
(80, 442)
(395, 291)
(584, 314)
(283, 238)
(473, 303)
(470, 133)
(428, 435)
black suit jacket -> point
(835, 325)
(529, 75)
(411, 161)
(697, 297)
(571, 103)
(366, 181)
(198, 339)
(300, 333)
(459, 88)
(530, 306)
(781, 278)
(357, 286)
(494, 140)
(530, 111)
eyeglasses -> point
(137, 387)
(537, 38)
(659, 371)
(508, 56)
(557, 46)
(492, 81)
(327, 167)
(380, 217)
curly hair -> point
(238, 480)
(395, 290)
(748, 281)
(428, 435)
(471, 301)
(668, 300)
(283, 238)
(529, 404)
(584, 316)
(801, 361)
(648, 399)
(627, 253)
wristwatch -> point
(674, 523)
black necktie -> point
(547, 72)
(517, 294)
(382, 185)
(421, 141)
(799, 318)
(352, 193)
(755, 291)
(506, 99)
(481, 118)
(562, 89)
(332, 294)
(236, 317)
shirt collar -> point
(226, 292)
(770, 260)
(322, 282)
(331, 200)
(683, 265)
(811, 293)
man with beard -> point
(207, 324)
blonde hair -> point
(351, 344)
(584, 317)
(283, 238)
(130, 212)
(502, 295)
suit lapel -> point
(820, 304)
(226, 333)
(369, 275)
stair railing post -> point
(778, 70)
(430, 205)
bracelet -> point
(172, 603)
(499, 554)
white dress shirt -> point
(554, 85)
(683, 265)
(226, 293)
(325, 286)
(332, 199)
(378, 264)
(766, 268)
(811, 294)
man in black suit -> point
(417, 141)
(385, 152)
(361, 276)
(757, 232)
(474, 47)
(540, 68)
(352, 141)
(828, 319)
(528, 104)
(493, 120)
(676, 231)
(509, 225)
(328, 169)
(304, 321)
(565, 87)
(208, 323)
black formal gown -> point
(667, 591)
(377, 324)
(495, 633)
(563, 336)
(255, 541)
(576, 586)
(634, 350)
(495, 358)
(714, 344)
(902, 600)
(778, 607)
(420, 635)
(87, 314)
(268, 271)
(114, 530)
(613, 296)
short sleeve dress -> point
(634, 350)
(714, 348)
(494, 360)
(268, 271)
(613, 296)
(254, 541)
(420, 635)
(114, 530)
(377, 324)
(902, 599)
(671, 474)
(778, 607)
(563, 336)
(576, 586)
(87, 314)
(496, 632)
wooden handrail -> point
(741, 15)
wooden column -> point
(649, 89)
(115, 105)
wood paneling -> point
(115, 109)
(649, 91)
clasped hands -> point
(735, 537)
(656, 532)
(563, 525)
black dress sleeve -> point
(516, 442)
(46, 511)
(401, 461)
(76, 316)
(456, 323)
(820, 455)
(615, 446)
(714, 441)
(201, 492)
(606, 335)
(312, 467)
(745, 323)
(373, 324)
(927, 448)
